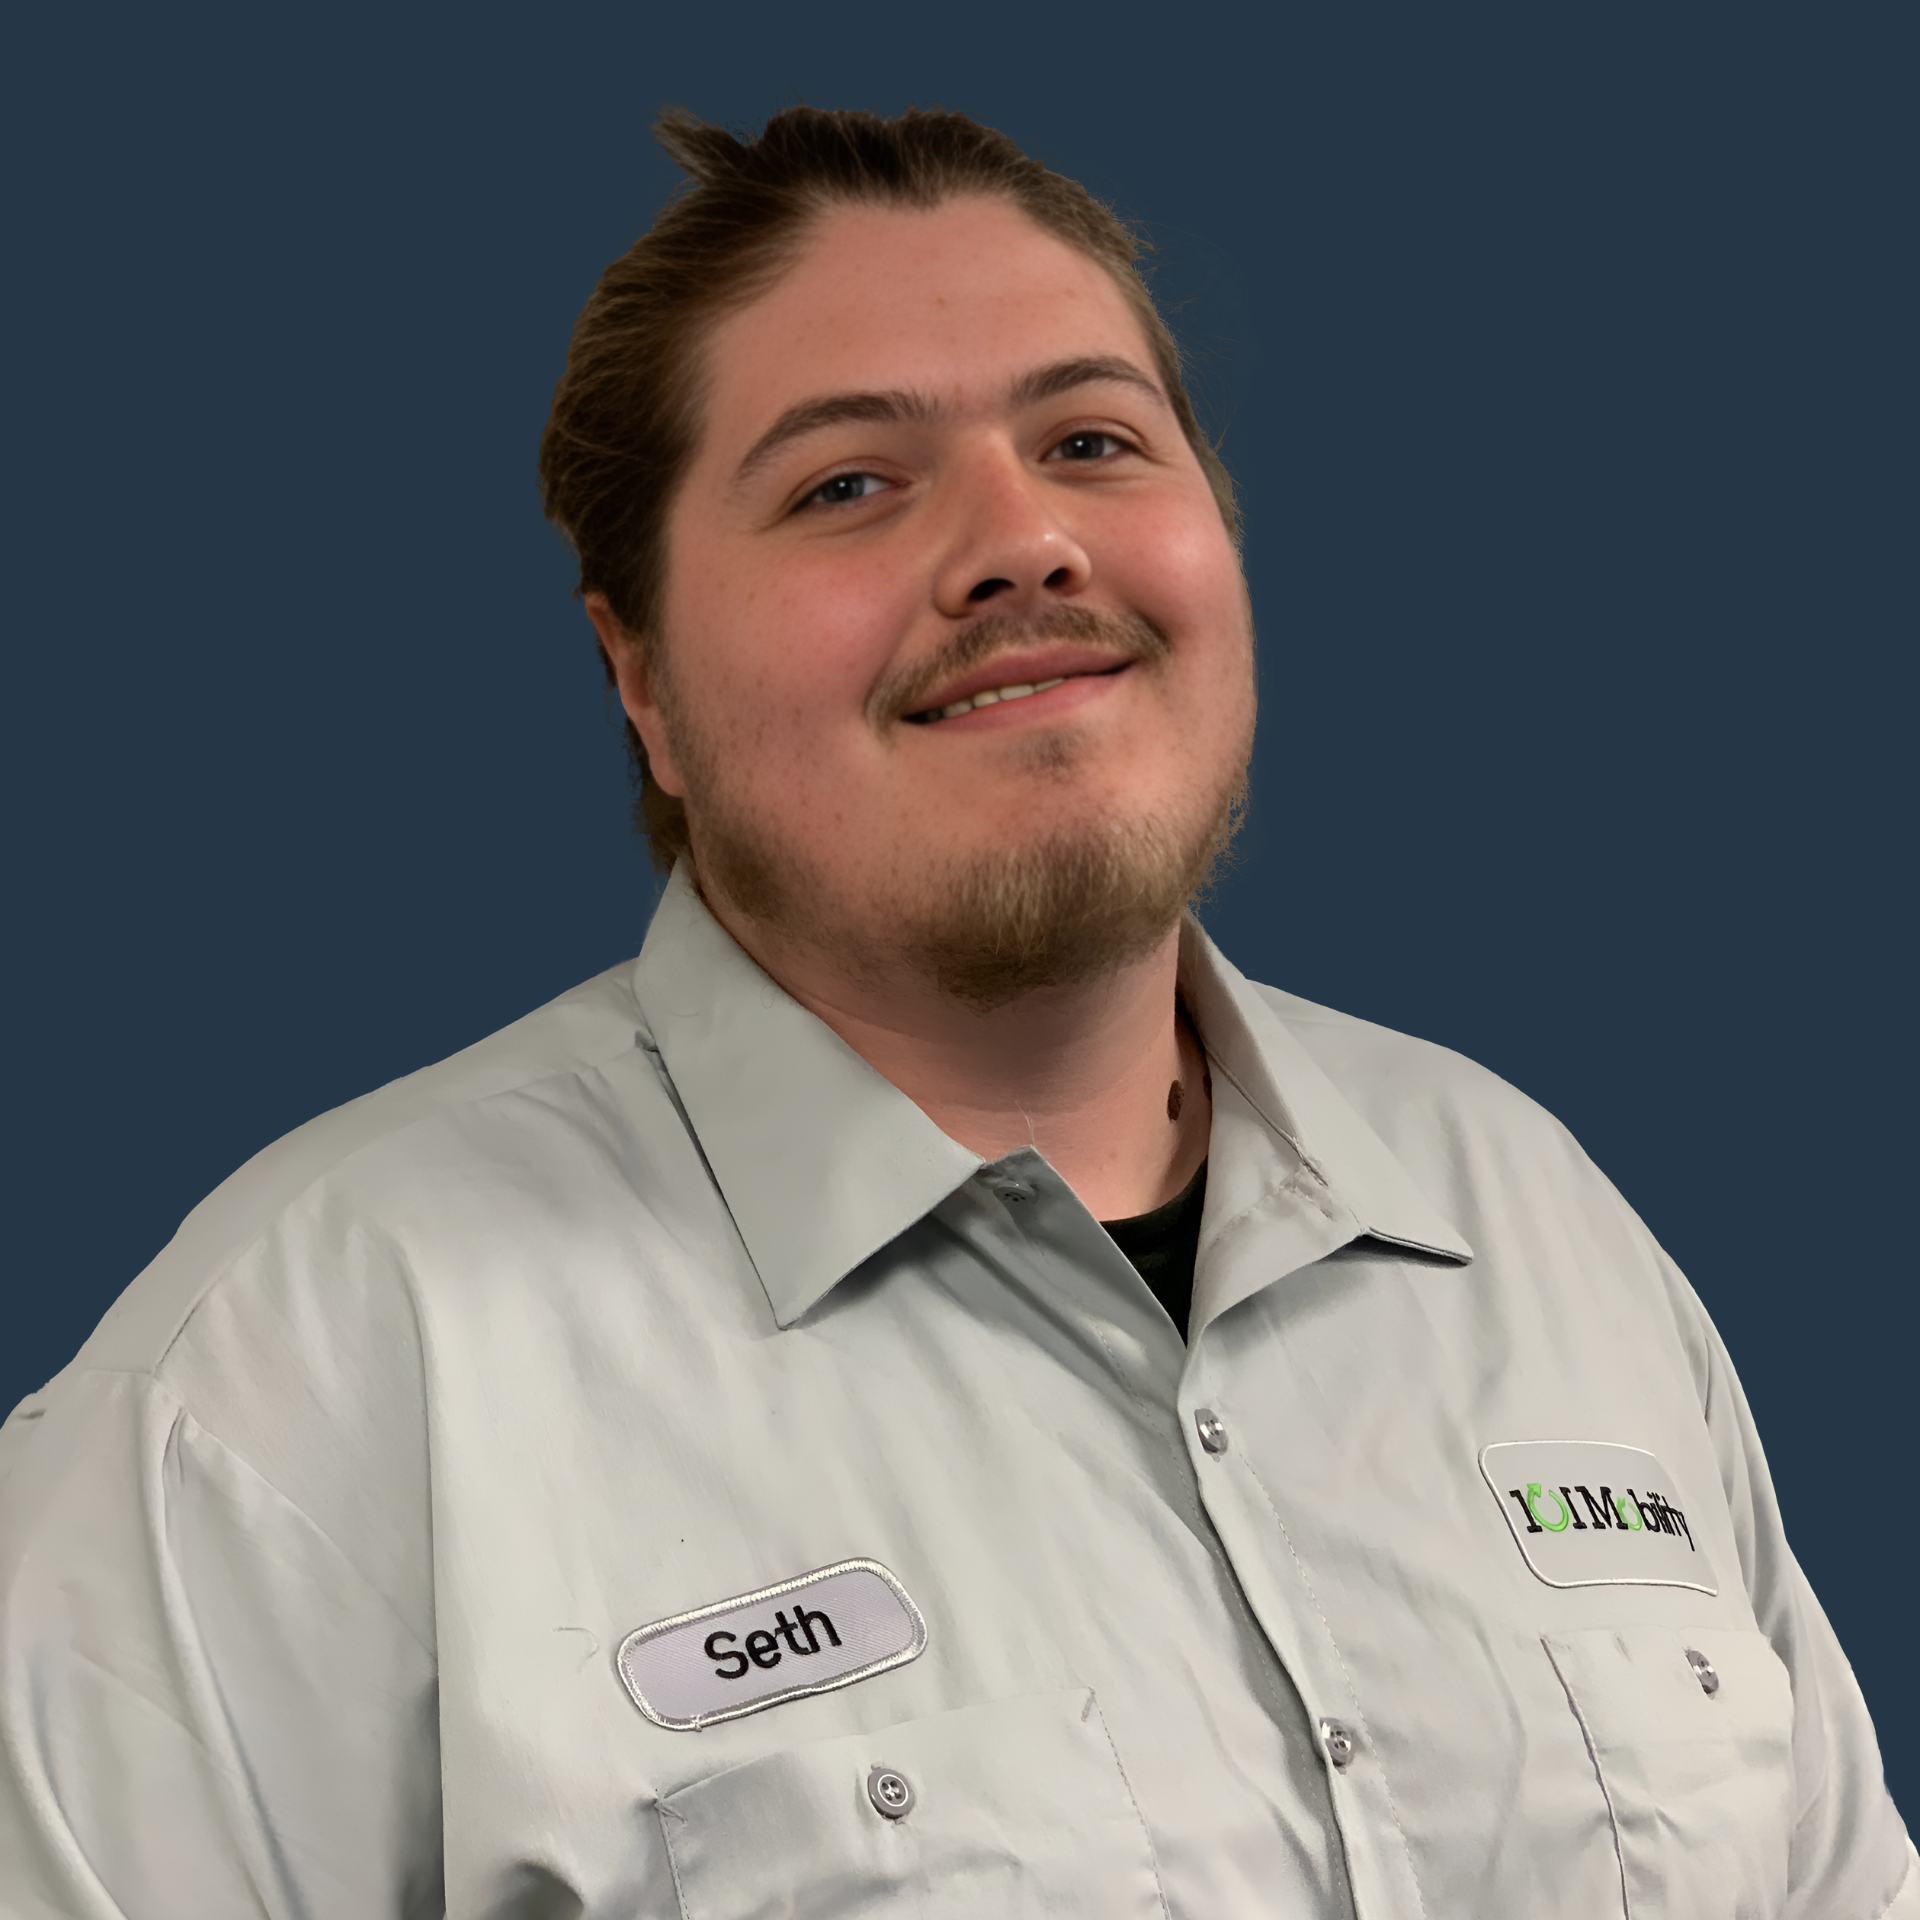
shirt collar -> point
(1294, 1172)
(822, 1161)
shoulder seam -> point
(186, 1415)
(218, 1273)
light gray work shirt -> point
(343, 1574)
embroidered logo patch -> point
(1587, 1513)
(822, 1630)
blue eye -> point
(844, 488)
(1088, 446)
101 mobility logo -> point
(1552, 1510)
(1571, 1535)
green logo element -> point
(1633, 1523)
(1552, 1526)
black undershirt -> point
(1163, 1244)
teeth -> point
(994, 695)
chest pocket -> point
(1691, 1734)
(1017, 1808)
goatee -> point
(1064, 912)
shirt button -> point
(1337, 1738)
(889, 1793)
(1703, 1671)
(1211, 1429)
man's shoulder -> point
(1452, 1123)
(584, 1029)
(1379, 1068)
(1482, 1151)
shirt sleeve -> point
(205, 1709)
(1850, 1854)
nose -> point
(1010, 547)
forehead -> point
(950, 301)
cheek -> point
(1181, 572)
(840, 614)
(780, 661)
(837, 621)
(1178, 568)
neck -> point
(1084, 1073)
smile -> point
(998, 696)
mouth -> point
(1005, 695)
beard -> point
(1067, 911)
(983, 929)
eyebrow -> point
(1045, 383)
(895, 404)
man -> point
(700, 1451)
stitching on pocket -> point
(1593, 1754)
(673, 1865)
(1153, 1853)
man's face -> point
(937, 466)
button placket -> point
(1258, 1547)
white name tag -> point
(823, 1630)
(1586, 1513)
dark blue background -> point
(1568, 371)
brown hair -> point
(626, 412)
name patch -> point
(822, 1630)
(1587, 1513)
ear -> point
(627, 657)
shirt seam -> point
(1599, 1774)
(184, 1414)
(431, 1652)
(663, 1813)
(1146, 1407)
(72, 1855)
(1296, 1183)
(1307, 1160)
(381, 1141)
(1326, 1626)
(1133, 1800)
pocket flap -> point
(1018, 1807)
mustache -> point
(1126, 636)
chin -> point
(1078, 900)
(1049, 894)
